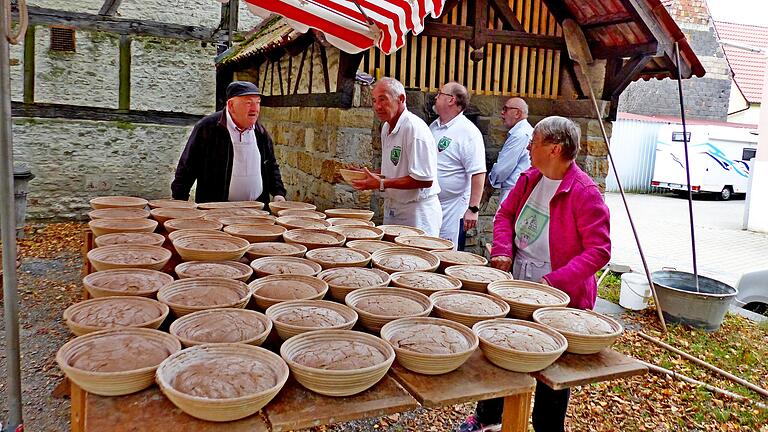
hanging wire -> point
(14, 39)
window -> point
(748, 153)
(62, 39)
(678, 136)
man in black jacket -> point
(230, 155)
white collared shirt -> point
(460, 155)
(409, 150)
(246, 183)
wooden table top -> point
(477, 379)
(572, 370)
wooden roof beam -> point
(108, 24)
(503, 11)
(507, 37)
(650, 48)
(109, 8)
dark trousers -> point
(462, 236)
(549, 408)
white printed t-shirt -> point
(409, 150)
(532, 259)
(246, 183)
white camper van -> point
(720, 159)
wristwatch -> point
(474, 209)
(381, 185)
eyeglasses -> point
(507, 108)
(445, 94)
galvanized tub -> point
(680, 303)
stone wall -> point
(85, 159)
(705, 98)
(311, 144)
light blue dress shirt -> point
(513, 158)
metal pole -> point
(8, 225)
(687, 164)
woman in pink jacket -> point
(554, 228)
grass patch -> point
(610, 287)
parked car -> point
(753, 292)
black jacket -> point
(207, 159)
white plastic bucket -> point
(635, 291)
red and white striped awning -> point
(354, 25)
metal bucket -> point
(680, 303)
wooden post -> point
(29, 65)
(517, 412)
(77, 414)
(124, 99)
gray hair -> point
(523, 105)
(459, 93)
(560, 130)
(394, 87)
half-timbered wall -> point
(427, 62)
(314, 70)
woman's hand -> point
(501, 262)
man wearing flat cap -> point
(230, 155)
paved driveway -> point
(724, 250)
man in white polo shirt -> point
(408, 177)
(460, 162)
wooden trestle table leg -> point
(517, 413)
(77, 412)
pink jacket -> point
(579, 232)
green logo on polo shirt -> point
(394, 155)
(443, 143)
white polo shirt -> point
(409, 150)
(246, 183)
(460, 155)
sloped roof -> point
(272, 33)
(748, 67)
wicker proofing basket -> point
(195, 224)
(152, 239)
(225, 318)
(319, 256)
(339, 221)
(399, 279)
(370, 246)
(336, 382)
(429, 364)
(244, 270)
(300, 236)
(112, 383)
(258, 205)
(302, 213)
(276, 206)
(220, 409)
(452, 258)
(467, 319)
(171, 203)
(148, 257)
(473, 284)
(300, 222)
(261, 265)
(522, 310)
(79, 329)
(352, 232)
(216, 214)
(117, 201)
(374, 322)
(119, 213)
(320, 286)
(350, 213)
(173, 236)
(246, 220)
(392, 231)
(580, 343)
(414, 259)
(352, 175)
(168, 292)
(275, 249)
(339, 292)
(517, 360)
(165, 214)
(287, 331)
(189, 248)
(137, 277)
(108, 226)
(424, 242)
(256, 233)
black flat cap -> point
(242, 88)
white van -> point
(720, 159)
